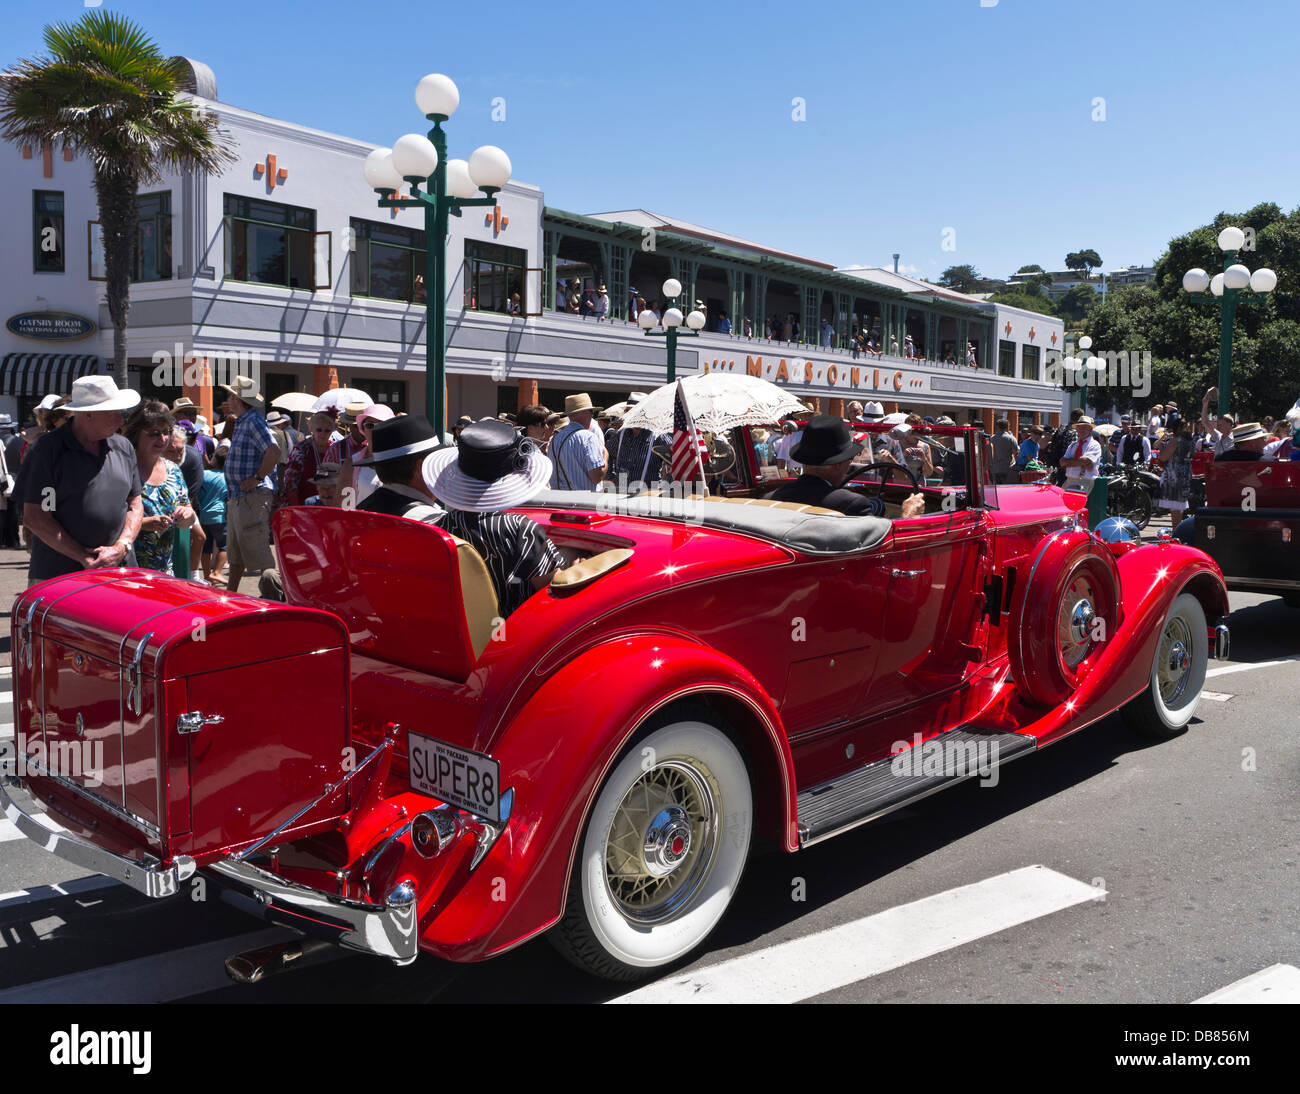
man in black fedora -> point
(826, 450)
(398, 448)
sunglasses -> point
(157, 433)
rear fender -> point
(1151, 577)
(555, 755)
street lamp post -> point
(1227, 288)
(442, 188)
(672, 324)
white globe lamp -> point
(415, 157)
(1236, 276)
(459, 183)
(1196, 280)
(1216, 285)
(1231, 239)
(1263, 280)
(489, 167)
(646, 320)
(672, 288)
(695, 320)
(438, 95)
(380, 172)
(672, 318)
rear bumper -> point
(388, 930)
(146, 876)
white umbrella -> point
(1104, 430)
(337, 398)
(894, 419)
(295, 402)
(718, 401)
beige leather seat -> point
(478, 596)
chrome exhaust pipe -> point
(257, 965)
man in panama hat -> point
(81, 486)
(576, 450)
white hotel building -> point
(285, 260)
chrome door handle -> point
(194, 720)
(907, 573)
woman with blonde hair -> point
(308, 454)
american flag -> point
(689, 448)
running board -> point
(888, 784)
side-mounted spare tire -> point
(1065, 611)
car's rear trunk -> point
(153, 717)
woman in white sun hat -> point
(492, 469)
(81, 492)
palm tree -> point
(107, 92)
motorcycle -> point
(1132, 489)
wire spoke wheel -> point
(662, 842)
(662, 852)
(1177, 673)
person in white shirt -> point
(1133, 446)
(791, 435)
(602, 303)
(1083, 458)
(1156, 423)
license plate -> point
(469, 780)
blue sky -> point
(919, 116)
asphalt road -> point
(1160, 874)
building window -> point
(273, 244)
(1029, 363)
(388, 262)
(494, 278)
(275, 384)
(1006, 358)
(153, 238)
(47, 231)
(391, 393)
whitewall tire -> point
(1177, 673)
(662, 853)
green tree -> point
(1014, 298)
(1033, 268)
(960, 278)
(106, 92)
(1182, 335)
(1082, 260)
(1076, 303)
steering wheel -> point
(889, 469)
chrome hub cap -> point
(1075, 622)
(1174, 662)
(667, 841)
(662, 841)
(1081, 620)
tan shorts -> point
(248, 530)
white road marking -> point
(9, 831)
(1252, 665)
(842, 955)
(1275, 984)
(158, 978)
(76, 887)
(1216, 696)
(6, 730)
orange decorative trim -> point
(47, 160)
(67, 154)
(273, 174)
(495, 219)
(27, 151)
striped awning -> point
(40, 374)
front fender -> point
(555, 754)
(1151, 577)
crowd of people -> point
(103, 478)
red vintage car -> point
(386, 763)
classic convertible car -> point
(385, 763)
